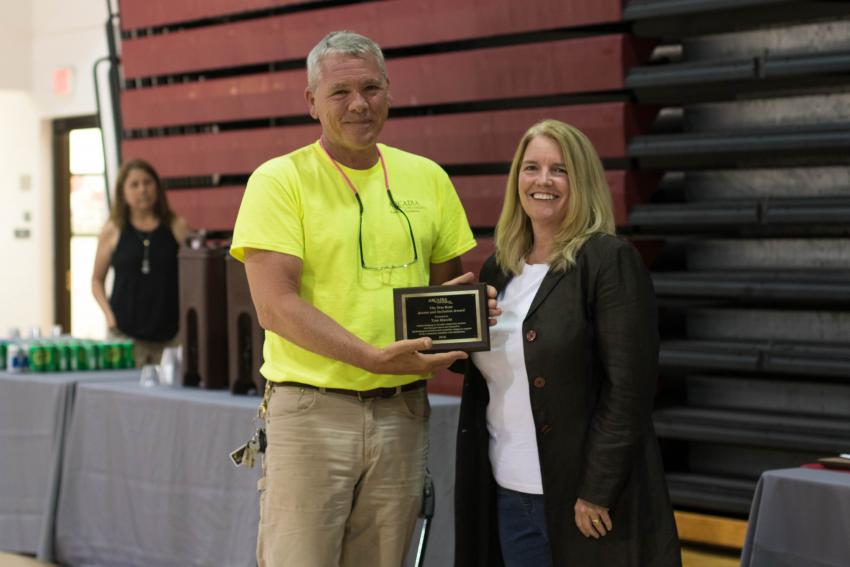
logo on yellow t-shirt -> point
(410, 205)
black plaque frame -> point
(445, 296)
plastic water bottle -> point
(16, 358)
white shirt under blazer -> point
(513, 438)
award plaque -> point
(454, 316)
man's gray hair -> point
(344, 42)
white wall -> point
(15, 44)
(20, 292)
(66, 33)
(38, 37)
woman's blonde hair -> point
(589, 208)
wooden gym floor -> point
(690, 558)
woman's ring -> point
(596, 521)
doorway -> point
(81, 210)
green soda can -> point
(66, 364)
(52, 353)
(116, 352)
(36, 354)
(127, 354)
(104, 359)
(92, 353)
(68, 357)
(107, 356)
(112, 354)
(79, 359)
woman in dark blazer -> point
(557, 459)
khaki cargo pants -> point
(342, 482)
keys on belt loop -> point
(264, 405)
(245, 455)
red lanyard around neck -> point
(347, 180)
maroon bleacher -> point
(489, 74)
(450, 139)
(393, 24)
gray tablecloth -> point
(34, 411)
(147, 481)
(799, 518)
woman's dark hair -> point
(120, 213)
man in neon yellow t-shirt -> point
(326, 232)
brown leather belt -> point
(359, 394)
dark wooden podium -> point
(203, 317)
(245, 336)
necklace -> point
(146, 248)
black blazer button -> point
(531, 335)
(545, 428)
(539, 382)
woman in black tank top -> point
(140, 242)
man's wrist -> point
(367, 358)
